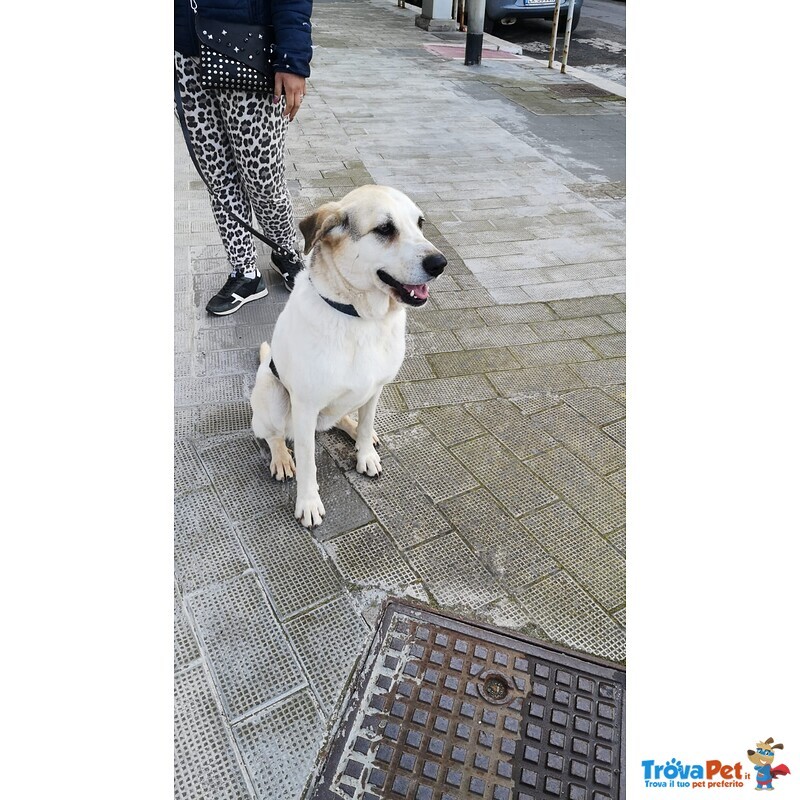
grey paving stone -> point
(470, 298)
(496, 336)
(620, 617)
(616, 431)
(189, 473)
(279, 746)
(594, 499)
(612, 345)
(616, 392)
(250, 658)
(446, 391)
(617, 480)
(230, 338)
(523, 435)
(582, 552)
(240, 474)
(450, 424)
(419, 344)
(595, 405)
(205, 760)
(509, 295)
(590, 444)
(222, 389)
(508, 479)
(415, 368)
(430, 319)
(587, 306)
(602, 373)
(221, 419)
(438, 473)
(399, 504)
(556, 331)
(185, 648)
(616, 321)
(502, 545)
(453, 574)
(505, 315)
(534, 380)
(207, 549)
(510, 614)
(344, 507)
(569, 352)
(568, 615)
(367, 557)
(329, 641)
(294, 571)
(228, 362)
(472, 362)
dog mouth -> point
(412, 294)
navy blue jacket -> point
(291, 21)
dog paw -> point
(309, 511)
(282, 467)
(369, 463)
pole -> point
(567, 34)
(476, 10)
(554, 35)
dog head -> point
(764, 753)
(372, 241)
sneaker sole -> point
(236, 308)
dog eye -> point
(387, 229)
(421, 220)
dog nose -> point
(434, 264)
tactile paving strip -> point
(445, 709)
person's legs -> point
(215, 155)
(257, 129)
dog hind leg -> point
(271, 417)
(350, 427)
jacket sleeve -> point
(291, 52)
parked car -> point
(505, 13)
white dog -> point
(341, 337)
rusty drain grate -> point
(446, 709)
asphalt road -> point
(597, 45)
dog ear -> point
(321, 222)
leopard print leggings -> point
(238, 138)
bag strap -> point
(278, 248)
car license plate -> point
(538, 2)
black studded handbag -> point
(233, 55)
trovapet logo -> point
(674, 774)
(717, 774)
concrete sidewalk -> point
(502, 496)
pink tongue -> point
(420, 290)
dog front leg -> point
(308, 508)
(367, 458)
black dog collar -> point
(350, 310)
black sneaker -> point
(237, 291)
(287, 268)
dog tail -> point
(263, 352)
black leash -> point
(280, 249)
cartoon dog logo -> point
(762, 757)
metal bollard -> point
(567, 34)
(554, 35)
(476, 10)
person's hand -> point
(294, 87)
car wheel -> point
(490, 25)
(562, 20)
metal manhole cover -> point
(445, 709)
(578, 90)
